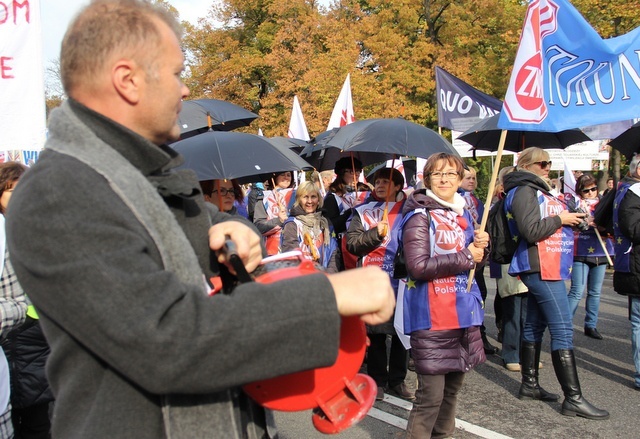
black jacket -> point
(628, 284)
(27, 351)
(526, 212)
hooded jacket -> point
(441, 351)
(526, 212)
(628, 245)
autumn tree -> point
(619, 18)
(264, 52)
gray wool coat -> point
(137, 347)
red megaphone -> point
(338, 395)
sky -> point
(56, 15)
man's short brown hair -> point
(127, 28)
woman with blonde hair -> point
(542, 226)
(306, 229)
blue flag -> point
(566, 76)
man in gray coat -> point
(114, 247)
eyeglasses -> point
(543, 164)
(446, 175)
(224, 192)
(591, 189)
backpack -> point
(603, 214)
(503, 246)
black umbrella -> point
(296, 145)
(397, 136)
(323, 159)
(628, 143)
(485, 135)
(409, 166)
(201, 115)
(217, 155)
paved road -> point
(488, 407)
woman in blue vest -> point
(374, 239)
(441, 317)
(344, 193)
(272, 210)
(543, 259)
(589, 260)
(306, 229)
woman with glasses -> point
(226, 194)
(590, 259)
(543, 261)
(442, 318)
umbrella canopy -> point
(408, 164)
(628, 143)
(218, 155)
(296, 145)
(485, 135)
(225, 116)
(396, 136)
(323, 159)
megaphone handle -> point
(231, 251)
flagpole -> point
(492, 187)
(604, 247)
(385, 213)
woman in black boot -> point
(542, 225)
(529, 365)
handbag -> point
(399, 264)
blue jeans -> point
(591, 276)
(547, 305)
(514, 315)
(634, 316)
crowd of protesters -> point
(375, 220)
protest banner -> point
(22, 100)
(460, 105)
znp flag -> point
(566, 76)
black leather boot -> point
(574, 403)
(529, 362)
(489, 349)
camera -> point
(575, 208)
